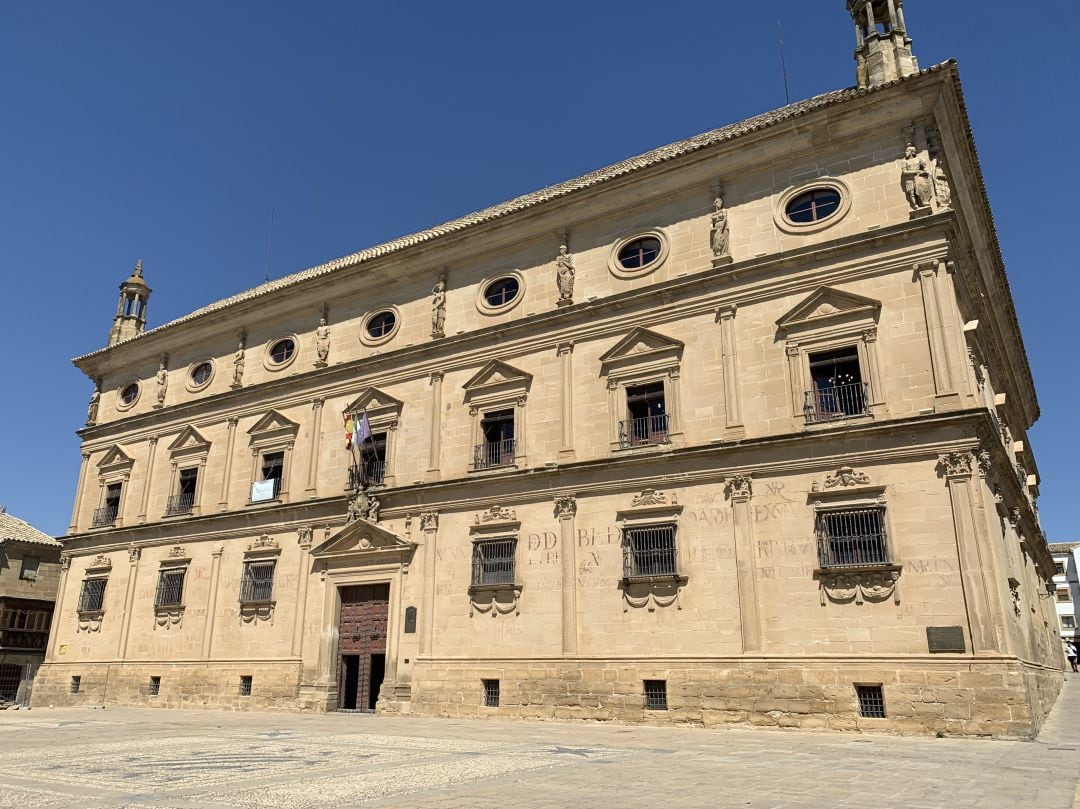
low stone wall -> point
(1001, 698)
(183, 685)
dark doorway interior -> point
(350, 676)
(362, 639)
(375, 678)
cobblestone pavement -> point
(155, 759)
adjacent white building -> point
(1067, 585)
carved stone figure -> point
(238, 361)
(358, 506)
(373, 510)
(92, 408)
(942, 190)
(438, 306)
(915, 177)
(162, 380)
(564, 275)
(322, 341)
(720, 237)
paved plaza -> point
(155, 759)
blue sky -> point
(170, 130)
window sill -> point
(494, 588)
(839, 570)
(494, 470)
(838, 422)
(667, 578)
(261, 603)
(173, 515)
(256, 503)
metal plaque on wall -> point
(410, 620)
(945, 638)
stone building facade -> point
(1066, 587)
(732, 431)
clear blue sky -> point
(168, 130)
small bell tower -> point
(130, 317)
(882, 46)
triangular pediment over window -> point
(377, 404)
(363, 538)
(641, 348)
(115, 459)
(826, 305)
(189, 440)
(273, 424)
(497, 379)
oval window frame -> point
(189, 381)
(367, 338)
(615, 266)
(825, 183)
(481, 293)
(268, 359)
(120, 404)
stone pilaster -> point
(566, 353)
(211, 600)
(429, 525)
(566, 511)
(134, 553)
(732, 400)
(435, 436)
(58, 607)
(74, 527)
(230, 446)
(148, 479)
(739, 491)
(303, 539)
(945, 395)
(316, 442)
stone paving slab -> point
(157, 759)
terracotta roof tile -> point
(14, 529)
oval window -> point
(129, 394)
(282, 351)
(813, 206)
(201, 374)
(381, 324)
(501, 292)
(640, 253)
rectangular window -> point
(29, 569)
(1063, 594)
(170, 588)
(245, 685)
(1068, 622)
(493, 562)
(491, 693)
(92, 596)
(646, 416)
(258, 582)
(271, 470)
(656, 695)
(498, 447)
(852, 537)
(110, 508)
(837, 388)
(1059, 568)
(76, 683)
(871, 701)
(184, 500)
(649, 551)
(155, 686)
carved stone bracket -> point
(257, 611)
(846, 476)
(495, 599)
(90, 621)
(649, 594)
(168, 617)
(843, 586)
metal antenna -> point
(783, 62)
(270, 243)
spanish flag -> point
(348, 430)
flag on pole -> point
(348, 431)
(363, 429)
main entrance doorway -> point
(365, 610)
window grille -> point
(155, 686)
(656, 695)
(491, 693)
(92, 597)
(76, 683)
(170, 588)
(649, 551)
(852, 537)
(245, 685)
(258, 582)
(493, 562)
(871, 701)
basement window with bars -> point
(491, 693)
(92, 595)
(871, 701)
(493, 562)
(155, 686)
(170, 588)
(852, 537)
(245, 685)
(76, 683)
(257, 586)
(656, 695)
(649, 551)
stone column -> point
(795, 380)
(149, 477)
(303, 539)
(953, 327)
(435, 436)
(877, 384)
(134, 552)
(74, 527)
(429, 524)
(58, 607)
(566, 510)
(565, 352)
(211, 600)
(316, 441)
(957, 468)
(230, 444)
(945, 396)
(739, 490)
(732, 403)
(617, 411)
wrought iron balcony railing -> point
(644, 431)
(495, 453)
(837, 402)
(180, 504)
(106, 515)
(370, 473)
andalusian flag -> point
(363, 429)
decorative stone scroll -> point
(168, 617)
(843, 586)
(651, 497)
(495, 600)
(177, 552)
(265, 544)
(100, 564)
(846, 476)
(256, 612)
(650, 595)
(90, 621)
(496, 514)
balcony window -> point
(92, 595)
(28, 571)
(498, 447)
(852, 538)
(493, 562)
(257, 585)
(271, 470)
(837, 387)
(110, 508)
(170, 588)
(372, 467)
(646, 416)
(184, 500)
(649, 551)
